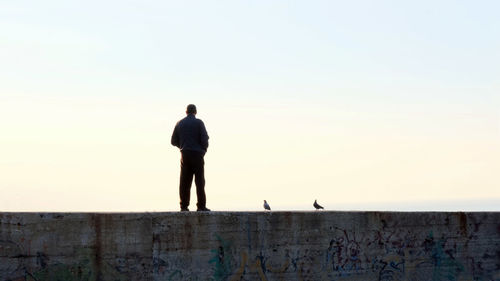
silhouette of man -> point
(191, 137)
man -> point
(191, 137)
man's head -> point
(191, 109)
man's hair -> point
(191, 109)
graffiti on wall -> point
(377, 256)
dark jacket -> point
(190, 134)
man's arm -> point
(203, 136)
(175, 137)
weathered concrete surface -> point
(250, 246)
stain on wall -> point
(344, 246)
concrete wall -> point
(250, 246)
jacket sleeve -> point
(203, 136)
(175, 137)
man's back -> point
(190, 134)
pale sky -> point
(363, 105)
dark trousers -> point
(192, 163)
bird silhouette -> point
(317, 206)
(266, 206)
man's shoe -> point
(184, 210)
(204, 209)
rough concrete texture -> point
(250, 246)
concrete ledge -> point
(314, 245)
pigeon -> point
(266, 206)
(317, 206)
